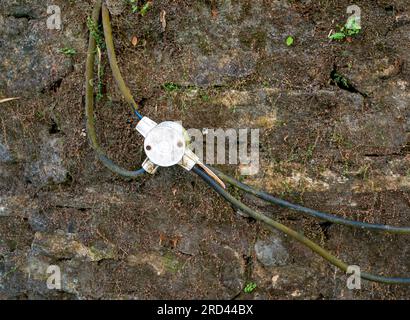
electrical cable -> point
(314, 213)
(205, 176)
(292, 233)
(112, 58)
(89, 106)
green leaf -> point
(350, 29)
(68, 51)
(352, 32)
(337, 36)
(353, 25)
(145, 8)
(250, 287)
(170, 86)
(289, 41)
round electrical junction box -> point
(165, 144)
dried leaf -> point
(163, 20)
(214, 12)
(134, 41)
(8, 99)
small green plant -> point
(171, 87)
(134, 5)
(145, 8)
(287, 188)
(10, 272)
(364, 171)
(289, 41)
(250, 287)
(350, 29)
(341, 141)
(346, 168)
(309, 152)
(141, 9)
(69, 52)
(40, 115)
(205, 97)
(342, 82)
(340, 79)
(100, 85)
(96, 33)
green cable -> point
(292, 233)
(235, 202)
(114, 64)
(317, 214)
(89, 106)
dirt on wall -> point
(334, 121)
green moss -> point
(40, 115)
(97, 254)
(309, 152)
(204, 45)
(171, 263)
(341, 141)
(364, 172)
(69, 52)
(12, 244)
(142, 8)
(340, 80)
(171, 87)
(246, 10)
(96, 32)
(10, 272)
(253, 38)
(205, 97)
